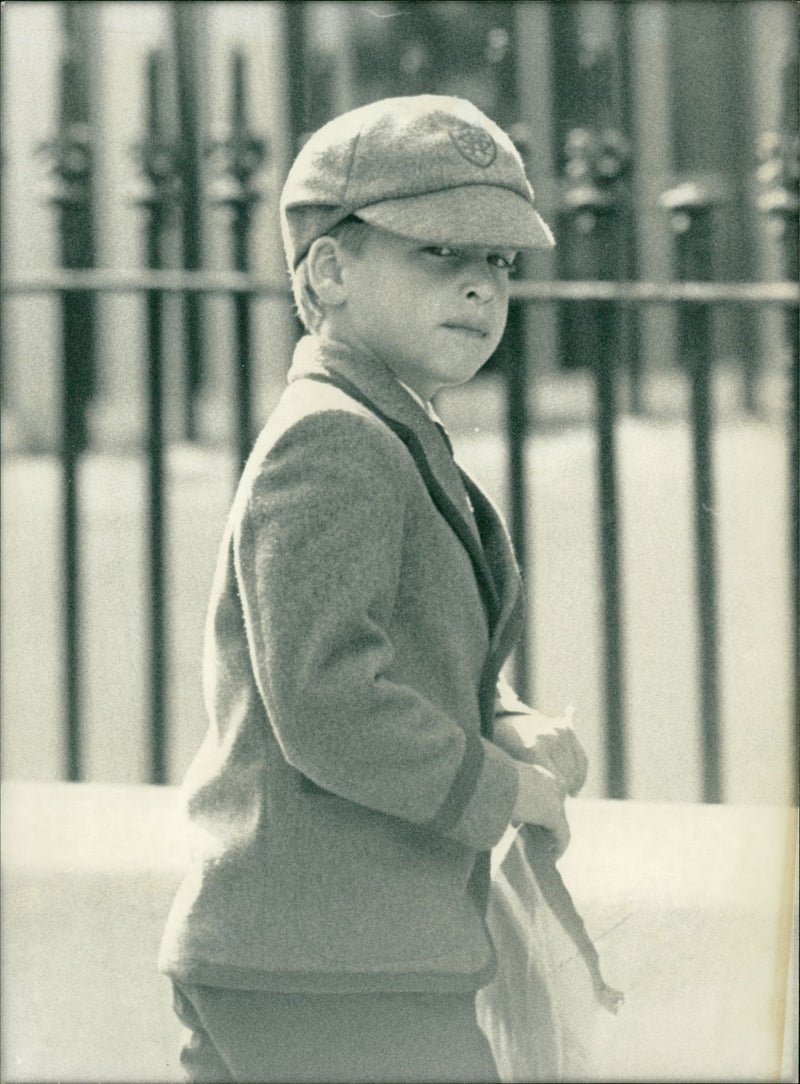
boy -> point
(363, 756)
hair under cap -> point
(429, 167)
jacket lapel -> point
(499, 554)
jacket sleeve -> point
(318, 552)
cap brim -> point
(483, 215)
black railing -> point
(591, 216)
(691, 297)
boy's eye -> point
(503, 262)
(443, 251)
(496, 259)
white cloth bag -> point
(539, 1011)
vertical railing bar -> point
(71, 151)
(706, 580)
(629, 331)
(244, 420)
(791, 247)
(691, 214)
(792, 322)
(612, 264)
(184, 18)
(750, 376)
(791, 250)
(605, 392)
(247, 154)
(295, 31)
(595, 195)
(70, 457)
(159, 166)
(789, 178)
(295, 14)
(156, 523)
(517, 422)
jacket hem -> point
(227, 976)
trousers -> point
(258, 1036)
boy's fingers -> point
(561, 837)
(581, 759)
(559, 827)
(576, 763)
(543, 760)
(579, 762)
(562, 754)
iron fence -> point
(593, 207)
(693, 299)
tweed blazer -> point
(347, 793)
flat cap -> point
(429, 167)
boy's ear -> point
(325, 276)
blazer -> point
(344, 801)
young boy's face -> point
(434, 314)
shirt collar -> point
(368, 371)
(426, 404)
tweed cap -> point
(429, 167)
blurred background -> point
(638, 424)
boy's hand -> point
(534, 738)
(540, 800)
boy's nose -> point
(482, 292)
(479, 284)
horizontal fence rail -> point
(232, 282)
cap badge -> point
(474, 143)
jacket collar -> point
(377, 382)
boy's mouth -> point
(478, 330)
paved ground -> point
(660, 654)
(689, 906)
